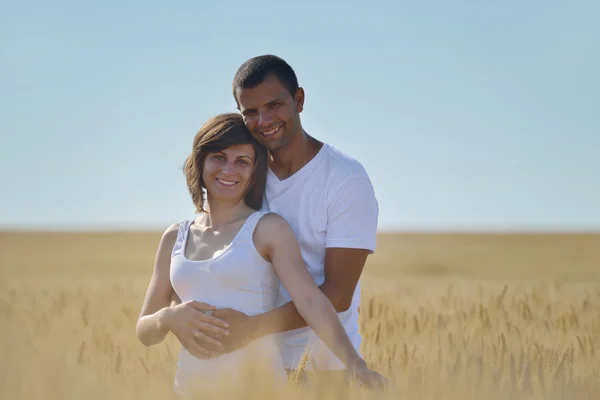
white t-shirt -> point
(330, 202)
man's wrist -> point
(259, 326)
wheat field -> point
(444, 316)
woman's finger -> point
(194, 348)
(204, 314)
(209, 328)
(206, 341)
(198, 351)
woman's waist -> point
(258, 357)
(264, 349)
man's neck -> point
(289, 160)
(223, 213)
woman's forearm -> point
(318, 311)
(151, 329)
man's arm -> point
(343, 267)
(351, 236)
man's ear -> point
(299, 99)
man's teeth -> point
(226, 183)
(271, 132)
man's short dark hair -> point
(255, 70)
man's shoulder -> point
(342, 165)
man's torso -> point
(304, 200)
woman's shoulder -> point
(271, 220)
(272, 228)
(172, 230)
(169, 236)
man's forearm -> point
(287, 317)
(280, 319)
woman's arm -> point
(151, 328)
(276, 241)
(163, 311)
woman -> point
(233, 256)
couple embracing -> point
(270, 267)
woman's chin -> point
(226, 196)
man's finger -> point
(174, 299)
(222, 313)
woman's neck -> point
(223, 213)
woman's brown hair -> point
(217, 134)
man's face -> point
(271, 113)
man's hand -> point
(242, 329)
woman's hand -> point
(192, 324)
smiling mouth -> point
(271, 133)
(227, 183)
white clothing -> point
(330, 202)
(238, 278)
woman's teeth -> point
(226, 183)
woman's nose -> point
(228, 167)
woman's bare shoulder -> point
(272, 222)
(171, 231)
(169, 236)
(270, 231)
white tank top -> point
(239, 278)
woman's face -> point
(226, 174)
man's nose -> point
(264, 119)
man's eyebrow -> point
(278, 99)
(275, 100)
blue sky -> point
(467, 115)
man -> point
(327, 198)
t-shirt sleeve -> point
(353, 213)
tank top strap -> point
(181, 237)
